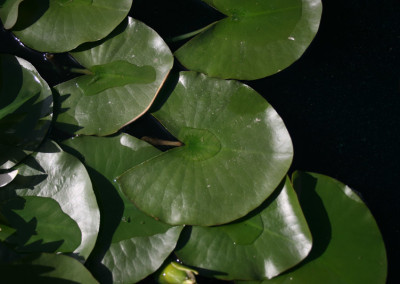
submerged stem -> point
(161, 142)
(81, 71)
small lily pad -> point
(236, 152)
(62, 25)
(255, 40)
(124, 74)
(268, 241)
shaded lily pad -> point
(131, 245)
(9, 12)
(25, 110)
(237, 150)
(123, 76)
(47, 268)
(255, 40)
(62, 25)
(39, 225)
(270, 240)
(55, 174)
(348, 247)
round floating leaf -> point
(40, 225)
(58, 175)
(62, 25)
(255, 40)
(47, 268)
(236, 151)
(124, 74)
(131, 244)
(348, 247)
(263, 244)
(25, 110)
(9, 12)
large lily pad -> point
(255, 40)
(9, 12)
(38, 224)
(237, 150)
(131, 245)
(125, 72)
(348, 247)
(55, 174)
(62, 25)
(25, 110)
(261, 245)
(47, 269)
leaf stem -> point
(161, 142)
(190, 34)
(81, 71)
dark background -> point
(340, 101)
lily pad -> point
(131, 245)
(62, 25)
(236, 152)
(47, 268)
(255, 40)
(6, 178)
(270, 240)
(25, 110)
(40, 225)
(57, 175)
(124, 74)
(348, 247)
(9, 12)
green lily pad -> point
(348, 247)
(40, 225)
(255, 40)
(25, 110)
(9, 12)
(47, 269)
(62, 25)
(57, 175)
(131, 244)
(236, 152)
(270, 240)
(124, 74)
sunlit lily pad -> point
(261, 245)
(255, 40)
(9, 12)
(347, 244)
(25, 110)
(237, 150)
(124, 74)
(39, 225)
(62, 25)
(131, 245)
(47, 268)
(6, 178)
(55, 174)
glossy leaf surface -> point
(9, 12)
(6, 178)
(62, 25)
(47, 268)
(348, 247)
(58, 175)
(255, 40)
(40, 225)
(25, 110)
(131, 244)
(263, 244)
(237, 150)
(126, 71)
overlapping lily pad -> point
(347, 247)
(237, 150)
(62, 25)
(131, 245)
(25, 110)
(124, 74)
(261, 245)
(9, 12)
(55, 174)
(255, 40)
